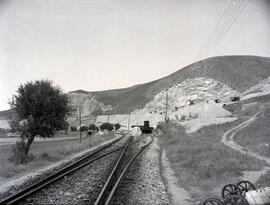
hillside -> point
(234, 73)
(201, 91)
(6, 114)
(239, 72)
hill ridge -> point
(185, 67)
(237, 71)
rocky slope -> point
(200, 91)
(237, 72)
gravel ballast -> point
(143, 183)
(19, 184)
(81, 187)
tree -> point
(117, 126)
(73, 129)
(106, 126)
(83, 128)
(41, 109)
(93, 128)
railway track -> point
(117, 174)
(82, 162)
(111, 184)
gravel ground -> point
(43, 173)
(82, 187)
(142, 183)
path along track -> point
(108, 189)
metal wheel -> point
(230, 190)
(246, 186)
(212, 201)
(235, 200)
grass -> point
(202, 164)
(3, 132)
(256, 136)
(264, 180)
(46, 153)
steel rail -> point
(119, 180)
(100, 199)
(59, 174)
(105, 187)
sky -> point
(107, 44)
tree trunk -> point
(27, 147)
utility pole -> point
(128, 121)
(166, 111)
(110, 111)
(80, 122)
(108, 117)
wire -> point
(233, 20)
(227, 19)
(123, 119)
(235, 9)
(255, 9)
(213, 33)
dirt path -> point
(228, 139)
(178, 195)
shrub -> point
(106, 126)
(73, 129)
(183, 118)
(93, 128)
(44, 155)
(18, 155)
(159, 126)
(83, 128)
(117, 126)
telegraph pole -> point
(111, 111)
(108, 117)
(128, 121)
(80, 122)
(166, 111)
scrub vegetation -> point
(256, 135)
(202, 164)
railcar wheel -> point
(235, 200)
(230, 190)
(212, 201)
(246, 186)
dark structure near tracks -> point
(146, 129)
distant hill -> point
(239, 72)
(6, 114)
